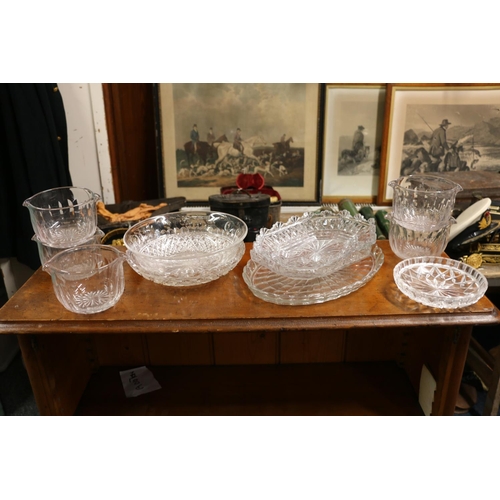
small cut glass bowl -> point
(408, 241)
(440, 282)
(63, 217)
(87, 279)
(46, 252)
(314, 245)
(424, 199)
(185, 248)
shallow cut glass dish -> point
(440, 282)
(87, 279)
(63, 217)
(315, 244)
(185, 248)
(279, 289)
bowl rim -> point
(177, 215)
(49, 266)
(93, 197)
(279, 227)
(454, 186)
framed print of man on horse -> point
(443, 129)
(211, 133)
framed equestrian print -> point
(354, 120)
(212, 132)
(451, 129)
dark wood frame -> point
(313, 169)
(392, 88)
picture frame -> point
(264, 113)
(352, 141)
(416, 114)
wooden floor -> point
(299, 389)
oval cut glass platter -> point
(279, 289)
(440, 282)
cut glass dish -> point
(440, 282)
(272, 287)
(185, 248)
(315, 244)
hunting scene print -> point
(223, 130)
(451, 138)
(357, 156)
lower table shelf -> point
(380, 388)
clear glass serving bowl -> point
(408, 241)
(87, 279)
(63, 217)
(185, 248)
(315, 244)
(46, 252)
(423, 199)
(440, 282)
(279, 289)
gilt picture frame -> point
(352, 140)
(278, 128)
(448, 129)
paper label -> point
(138, 381)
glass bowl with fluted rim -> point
(63, 217)
(87, 279)
(440, 282)
(423, 200)
(185, 248)
(315, 244)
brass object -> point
(485, 221)
(487, 247)
(491, 259)
(114, 237)
(474, 260)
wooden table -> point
(218, 349)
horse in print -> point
(203, 149)
(281, 148)
(225, 149)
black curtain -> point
(33, 158)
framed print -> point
(448, 129)
(352, 140)
(212, 132)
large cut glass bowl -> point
(185, 248)
(314, 245)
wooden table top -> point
(227, 304)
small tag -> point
(138, 381)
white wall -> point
(89, 161)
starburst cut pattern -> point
(439, 282)
(87, 300)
